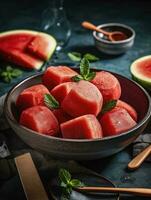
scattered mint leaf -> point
(51, 102)
(9, 73)
(64, 176)
(77, 78)
(84, 67)
(16, 72)
(9, 69)
(67, 183)
(91, 57)
(75, 56)
(90, 76)
(108, 106)
(76, 183)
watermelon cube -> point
(40, 119)
(116, 121)
(61, 90)
(132, 112)
(56, 75)
(108, 85)
(83, 127)
(61, 115)
(84, 98)
(32, 96)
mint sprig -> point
(85, 73)
(76, 56)
(91, 57)
(108, 106)
(51, 102)
(67, 183)
(9, 73)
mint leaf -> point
(77, 78)
(91, 57)
(9, 69)
(7, 79)
(84, 67)
(64, 176)
(16, 73)
(76, 183)
(90, 76)
(75, 56)
(108, 106)
(67, 183)
(9, 73)
(51, 102)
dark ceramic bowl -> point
(82, 149)
(114, 47)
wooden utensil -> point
(30, 179)
(113, 36)
(134, 191)
(138, 160)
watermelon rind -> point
(11, 32)
(139, 77)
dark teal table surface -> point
(136, 14)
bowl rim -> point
(108, 138)
(114, 42)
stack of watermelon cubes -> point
(80, 109)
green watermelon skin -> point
(145, 84)
(137, 68)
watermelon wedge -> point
(141, 71)
(14, 47)
(42, 46)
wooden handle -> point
(137, 161)
(134, 191)
(92, 27)
(30, 179)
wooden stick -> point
(134, 191)
(138, 160)
(30, 179)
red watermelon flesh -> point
(83, 127)
(84, 98)
(13, 48)
(32, 96)
(127, 107)
(40, 119)
(61, 115)
(54, 76)
(116, 121)
(61, 90)
(42, 46)
(108, 85)
(143, 67)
